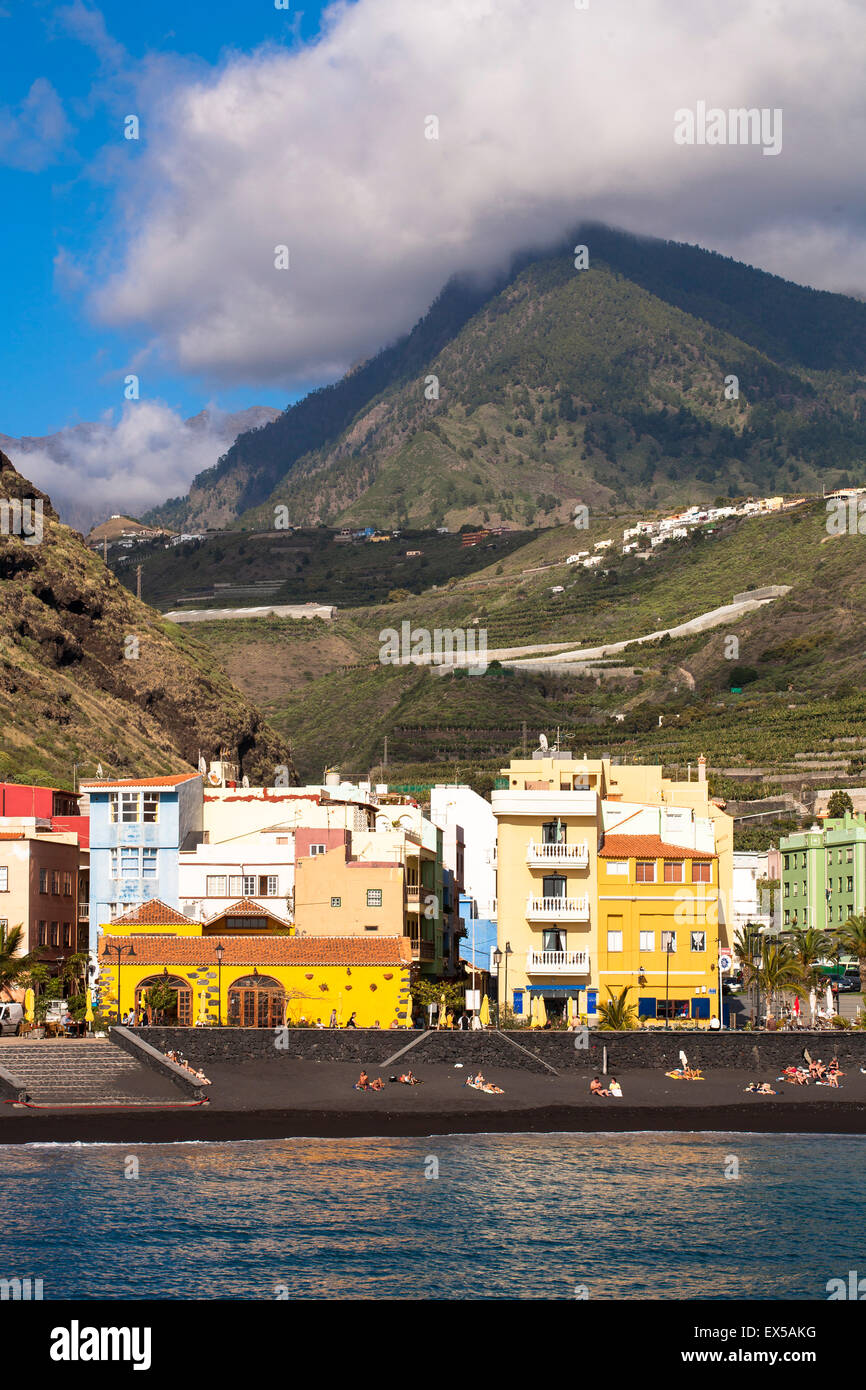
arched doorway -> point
(257, 1001)
(176, 1010)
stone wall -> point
(740, 1051)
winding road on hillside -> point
(538, 658)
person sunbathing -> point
(492, 1090)
(377, 1085)
(752, 1086)
(596, 1088)
(832, 1079)
(765, 1089)
(409, 1079)
(363, 1082)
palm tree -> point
(13, 964)
(779, 970)
(808, 946)
(747, 950)
(617, 1014)
(852, 938)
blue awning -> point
(555, 989)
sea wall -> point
(739, 1051)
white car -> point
(572, 559)
(11, 1018)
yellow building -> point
(658, 927)
(249, 969)
(554, 814)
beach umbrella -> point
(684, 1061)
(202, 1007)
(542, 1012)
(484, 1013)
(796, 1006)
(29, 1005)
(830, 1008)
(569, 1010)
(533, 1010)
(88, 1012)
(813, 1003)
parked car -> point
(11, 1018)
(849, 984)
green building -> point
(824, 873)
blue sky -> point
(57, 366)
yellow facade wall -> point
(323, 878)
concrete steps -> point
(82, 1071)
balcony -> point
(542, 856)
(413, 897)
(557, 962)
(421, 950)
(557, 909)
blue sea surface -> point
(559, 1216)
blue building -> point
(137, 827)
(479, 942)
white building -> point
(461, 806)
(749, 904)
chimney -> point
(702, 768)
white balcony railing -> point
(557, 909)
(540, 856)
(557, 962)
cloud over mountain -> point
(547, 114)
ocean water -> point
(508, 1216)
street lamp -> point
(508, 952)
(219, 949)
(497, 961)
(121, 951)
(668, 952)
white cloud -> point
(127, 464)
(548, 115)
(33, 133)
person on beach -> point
(363, 1082)
(615, 1088)
(351, 1023)
(377, 1085)
(596, 1088)
(332, 1022)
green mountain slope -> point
(88, 674)
(604, 385)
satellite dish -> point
(99, 771)
(214, 779)
(202, 766)
(246, 781)
(542, 742)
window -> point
(374, 897)
(673, 872)
(129, 807)
(216, 885)
(55, 882)
(849, 855)
(553, 940)
(786, 889)
(787, 857)
(42, 934)
(43, 880)
(113, 803)
(242, 885)
(645, 871)
(787, 917)
(669, 941)
(272, 886)
(702, 871)
(672, 1008)
(318, 849)
(618, 868)
(374, 927)
(803, 860)
(553, 886)
(67, 884)
(282, 839)
(614, 941)
(4, 879)
(54, 939)
(698, 940)
(849, 881)
(130, 862)
(150, 808)
(148, 863)
(67, 934)
(647, 941)
(553, 833)
(336, 902)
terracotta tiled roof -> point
(247, 908)
(95, 785)
(156, 913)
(263, 950)
(11, 834)
(647, 847)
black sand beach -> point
(256, 1100)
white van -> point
(11, 1018)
